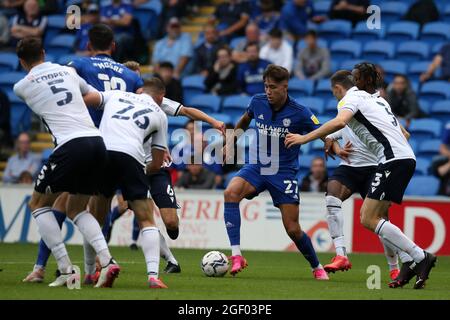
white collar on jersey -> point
(41, 65)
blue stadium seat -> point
(425, 106)
(429, 148)
(20, 115)
(393, 11)
(56, 25)
(316, 148)
(416, 69)
(441, 110)
(323, 89)
(148, 15)
(331, 108)
(446, 13)
(64, 60)
(423, 186)
(422, 129)
(435, 32)
(314, 103)
(412, 51)
(325, 118)
(414, 145)
(436, 48)
(9, 79)
(378, 50)
(236, 105)
(46, 154)
(422, 166)
(321, 43)
(322, 7)
(61, 45)
(192, 85)
(225, 118)
(402, 31)
(391, 68)
(349, 64)
(364, 34)
(50, 58)
(335, 29)
(332, 163)
(345, 49)
(304, 161)
(176, 123)
(299, 87)
(8, 62)
(208, 103)
(435, 90)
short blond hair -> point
(132, 65)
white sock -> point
(164, 249)
(236, 250)
(150, 247)
(335, 220)
(404, 257)
(89, 257)
(90, 229)
(397, 239)
(390, 253)
(51, 234)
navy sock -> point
(232, 217)
(136, 230)
(112, 216)
(44, 252)
(305, 246)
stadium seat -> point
(345, 49)
(402, 31)
(304, 161)
(206, 102)
(425, 106)
(61, 45)
(235, 105)
(422, 129)
(331, 108)
(176, 123)
(335, 29)
(46, 154)
(391, 68)
(9, 79)
(56, 24)
(192, 85)
(393, 11)
(429, 148)
(20, 115)
(332, 163)
(148, 15)
(325, 118)
(8, 62)
(349, 64)
(364, 34)
(323, 89)
(412, 51)
(435, 90)
(441, 110)
(316, 148)
(422, 166)
(64, 60)
(314, 103)
(423, 186)
(299, 87)
(435, 32)
(378, 50)
(322, 7)
(416, 69)
(446, 13)
(414, 145)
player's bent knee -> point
(294, 231)
(231, 195)
(172, 224)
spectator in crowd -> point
(175, 48)
(268, 20)
(441, 164)
(174, 90)
(316, 180)
(403, 100)
(24, 160)
(119, 16)
(222, 77)
(250, 73)
(252, 35)
(25, 178)
(294, 17)
(171, 9)
(422, 11)
(351, 10)
(89, 17)
(313, 62)
(196, 177)
(11, 7)
(205, 54)
(4, 31)
(277, 50)
(232, 16)
(5, 126)
(28, 23)
(442, 59)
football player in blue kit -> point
(275, 170)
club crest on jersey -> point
(315, 120)
(261, 117)
(286, 122)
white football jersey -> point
(376, 126)
(361, 156)
(129, 121)
(55, 93)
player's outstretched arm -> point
(93, 99)
(341, 120)
(195, 114)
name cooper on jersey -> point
(49, 76)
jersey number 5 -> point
(56, 90)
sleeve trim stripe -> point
(178, 109)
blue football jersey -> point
(274, 126)
(104, 74)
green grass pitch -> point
(270, 275)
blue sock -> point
(232, 217)
(44, 252)
(112, 216)
(136, 230)
(306, 248)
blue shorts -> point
(283, 186)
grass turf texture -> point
(270, 275)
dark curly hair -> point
(369, 72)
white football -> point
(214, 264)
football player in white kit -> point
(129, 121)
(374, 124)
(55, 93)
